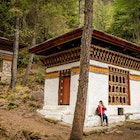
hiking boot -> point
(107, 124)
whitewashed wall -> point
(51, 87)
(73, 91)
(63, 67)
(51, 91)
(97, 90)
(134, 96)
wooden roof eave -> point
(4, 42)
(75, 34)
(116, 40)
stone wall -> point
(6, 71)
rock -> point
(37, 96)
(135, 127)
(119, 132)
(29, 115)
(111, 131)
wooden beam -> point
(115, 40)
(75, 34)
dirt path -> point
(15, 121)
(22, 122)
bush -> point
(40, 78)
(32, 104)
(23, 58)
(12, 105)
(31, 135)
(2, 131)
(10, 97)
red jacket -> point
(101, 110)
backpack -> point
(97, 112)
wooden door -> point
(66, 90)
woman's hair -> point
(101, 102)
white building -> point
(114, 77)
(6, 56)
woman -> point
(101, 111)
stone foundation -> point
(64, 114)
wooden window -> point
(64, 88)
(118, 87)
(1, 65)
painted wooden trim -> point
(134, 77)
(114, 58)
(6, 52)
(96, 53)
(75, 70)
(92, 68)
(6, 57)
(98, 69)
(52, 74)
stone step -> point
(103, 129)
(56, 113)
(55, 107)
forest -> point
(34, 21)
(38, 20)
(54, 17)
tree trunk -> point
(15, 54)
(137, 21)
(26, 75)
(80, 13)
(80, 108)
(31, 56)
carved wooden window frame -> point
(119, 90)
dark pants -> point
(104, 117)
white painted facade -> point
(97, 90)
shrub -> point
(2, 131)
(12, 105)
(25, 96)
(32, 104)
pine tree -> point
(80, 108)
